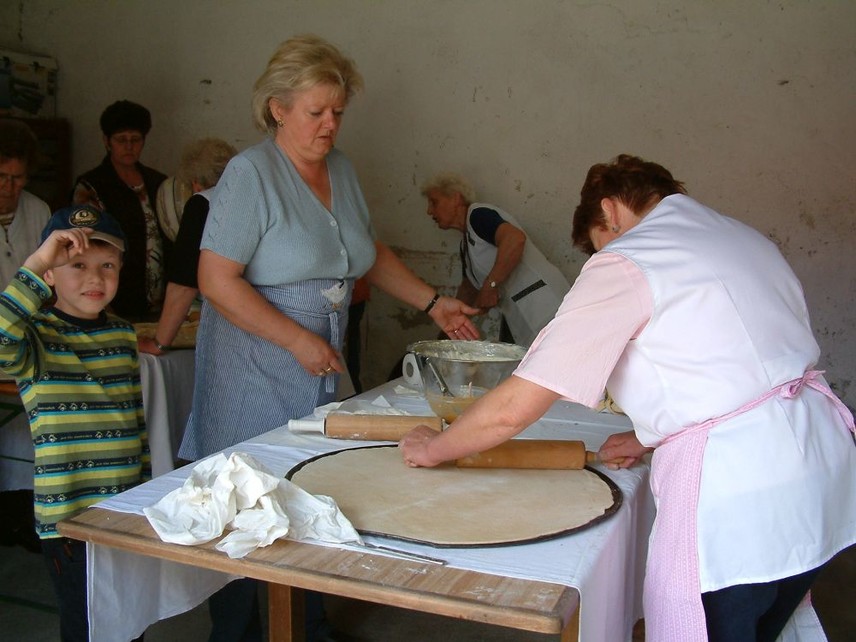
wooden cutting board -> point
(449, 506)
(186, 337)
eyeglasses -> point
(14, 179)
(127, 141)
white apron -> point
(532, 293)
(729, 327)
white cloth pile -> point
(238, 493)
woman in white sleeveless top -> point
(500, 265)
(699, 329)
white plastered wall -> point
(750, 103)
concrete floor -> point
(28, 611)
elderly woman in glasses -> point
(699, 329)
(22, 215)
(127, 189)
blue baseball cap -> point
(105, 227)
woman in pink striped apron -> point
(698, 328)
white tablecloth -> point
(167, 383)
(605, 563)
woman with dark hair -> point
(127, 189)
(699, 329)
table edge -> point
(561, 602)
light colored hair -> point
(298, 64)
(449, 184)
(204, 160)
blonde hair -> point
(298, 64)
(204, 160)
(449, 184)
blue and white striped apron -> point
(245, 385)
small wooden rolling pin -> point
(376, 427)
(545, 454)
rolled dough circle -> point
(456, 507)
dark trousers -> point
(236, 617)
(235, 614)
(754, 612)
(66, 562)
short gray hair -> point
(298, 64)
(204, 160)
(449, 184)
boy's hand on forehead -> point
(58, 249)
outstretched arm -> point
(176, 303)
(392, 276)
(496, 417)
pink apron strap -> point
(672, 591)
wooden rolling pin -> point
(375, 427)
(546, 454)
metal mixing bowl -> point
(454, 374)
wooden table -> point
(9, 409)
(288, 567)
(8, 387)
(539, 586)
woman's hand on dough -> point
(414, 447)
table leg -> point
(10, 410)
(571, 632)
(286, 612)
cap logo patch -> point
(83, 218)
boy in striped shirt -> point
(77, 372)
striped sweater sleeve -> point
(21, 299)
